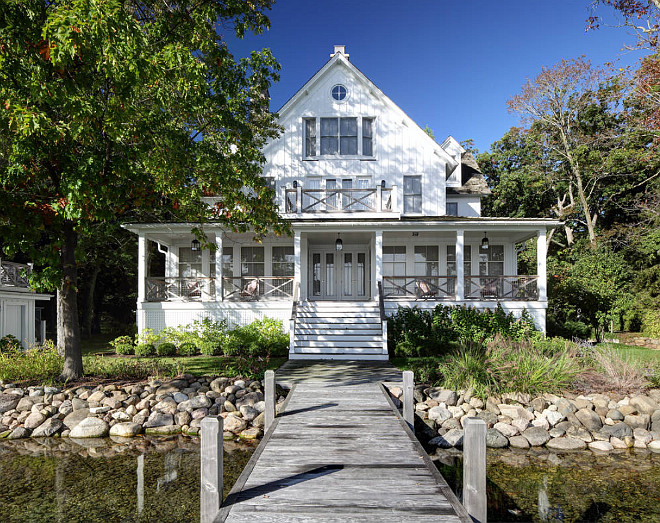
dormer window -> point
(339, 137)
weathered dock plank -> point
(340, 452)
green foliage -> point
(166, 349)
(123, 345)
(145, 349)
(148, 337)
(9, 343)
(213, 336)
(128, 368)
(467, 368)
(36, 364)
(260, 338)
(651, 323)
(187, 348)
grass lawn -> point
(97, 344)
(631, 352)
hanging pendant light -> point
(339, 245)
(195, 245)
(484, 242)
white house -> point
(381, 214)
(19, 317)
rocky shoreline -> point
(151, 408)
(599, 422)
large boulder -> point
(641, 421)
(48, 428)
(448, 397)
(90, 428)
(618, 430)
(125, 430)
(34, 420)
(25, 404)
(644, 404)
(8, 402)
(234, 424)
(536, 436)
(495, 439)
(452, 438)
(439, 414)
(566, 444)
(589, 419)
(159, 419)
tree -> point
(642, 16)
(113, 108)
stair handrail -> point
(381, 301)
(294, 312)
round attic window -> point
(339, 92)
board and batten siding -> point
(400, 146)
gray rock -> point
(200, 402)
(79, 404)
(179, 397)
(448, 397)
(90, 428)
(641, 421)
(654, 446)
(248, 413)
(565, 406)
(172, 387)
(8, 402)
(159, 419)
(439, 414)
(121, 416)
(506, 429)
(48, 428)
(25, 404)
(536, 436)
(182, 418)
(566, 444)
(34, 420)
(601, 446)
(229, 406)
(19, 433)
(553, 416)
(618, 430)
(615, 415)
(556, 432)
(167, 405)
(96, 397)
(519, 442)
(452, 438)
(71, 420)
(579, 433)
(234, 424)
(219, 384)
(644, 404)
(489, 417)
(249, 399)
(165, 430)
(99, 410)
(495, 439)
(589, 419)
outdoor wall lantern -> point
(295, 184)
(339, 245)
(195, 245)
(484, 242)
(382, 184)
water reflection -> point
(128, 480)
(539, 485)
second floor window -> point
(412, 194)
(348, 136)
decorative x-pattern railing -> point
(14, 274)
(180, 289)
(376, 199)
(419, 287)
(501, 287)
(248, 288)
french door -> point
(339, 275)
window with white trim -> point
(412, 194)
(491, 261)
(452, 208)
(190, 263)
(394, 266)
(338, 136)
(252, 261)
(426, 260)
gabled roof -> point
(339, 59)
(472, 179)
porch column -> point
(541, 269)
(297, 260)
(460, 276)
(378, 262)
(142, 267)
(219, 291)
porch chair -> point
(424, 290)
(249, 292)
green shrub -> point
(210, 348)
(180, 335)
(467, 368)
(260, 338)
(187, 348)
(37, 364)
(9, 343)
(123, 345)
(145, 349)
(651, 323)
(166, 349)
(128, 368)
(147, 337)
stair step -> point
(337, 344)
(337, 321)
(335, 338)
(319, 350)
(340, 328)
(342, 315)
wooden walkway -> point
(340, 453)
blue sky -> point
(449, 65)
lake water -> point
(101, 480)
(538, 485)
(157, 479)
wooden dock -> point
(340, 452)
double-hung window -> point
(412, 194)
(426, 260)
(394, 268)
(367, 136)
(310, 137)
(338, 136)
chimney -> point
(340, 49)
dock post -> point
(211, 468)
(408, 398)
(269, 393)
(474, 469)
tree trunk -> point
(68, 331)
(89, 311)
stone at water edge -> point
(159, 419)
(47, 429)
(495, 439)
(90, 428)
(452, 438)
(654, 446)
(601, 446)
(519, 442)
(251, 433)
(19, 433)
(125, 430)
(71, 420)
(165, 430)
(536, 436)
(566, 444)
(506, 429)
(34, 420)
(8, 402)
(234, 424)
(439, 414)
(589, 419)
(618, 430)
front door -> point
(339, 275)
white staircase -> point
(338, 330)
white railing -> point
(420, 287)
(524, 288)
(180, 289)
(14, 274)
(375, 199)
(249, 288)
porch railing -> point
(524, 288)
(249, 288)
(14, 274)
(374, 199)
(420, 287)
(180, 289)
